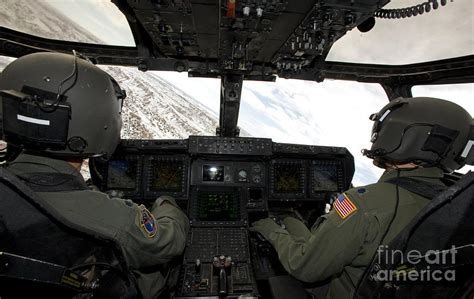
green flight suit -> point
(340, 249)
(119, 219)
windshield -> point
(171, 105)
(90, 21)
(332, 113)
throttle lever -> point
(222, 262)
(222, 282)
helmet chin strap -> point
(410, 165)
(76, 164)
(377, 156)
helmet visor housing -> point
(425, 131)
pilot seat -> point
(440, 240)
(42, 253)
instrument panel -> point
(142, 170)
(225, 184)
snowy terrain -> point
(155, 109)
(41, 19)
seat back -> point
(28, 228)
(440, 238)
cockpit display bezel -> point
(315, 191)
(126, 192)
(301, 192)
(238, 195)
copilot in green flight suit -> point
(147, 238)
(340, 244)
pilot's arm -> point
(333, 242)
(156, 235)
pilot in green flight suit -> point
(148, 238)
(418, 138)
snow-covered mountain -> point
(156, 109)
(153, 109)
(41, 19)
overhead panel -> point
(251, 37)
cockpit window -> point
(332, 113)
(98, 22)
(461, 94)
(446, 32)
(163, 105)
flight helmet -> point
(60, 105)
(425, 131)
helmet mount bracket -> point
(27, 123)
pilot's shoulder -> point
(95, 198)
(369, 190)
(359, 193)
(369, 197)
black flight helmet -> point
(425, 131)
(60, 105)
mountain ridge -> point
(46, 22)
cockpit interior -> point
(226, 181)
(224, 184)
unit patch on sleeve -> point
(344, 206)
(146, 221)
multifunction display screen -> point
(288, 178)
(324, 178)
(122, 174)
(212, 173)
(167, 176)
(213, 206)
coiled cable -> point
(412, 11)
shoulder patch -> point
(344, 206)
(146, 222)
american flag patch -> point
(344, 206)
